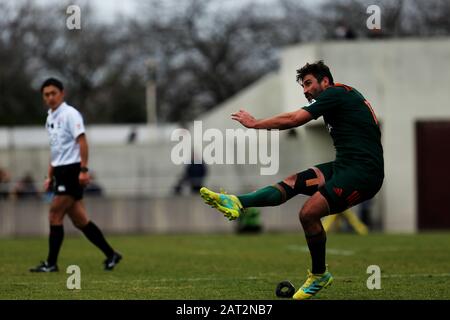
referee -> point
(67, 176)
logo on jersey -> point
(53, 139)
(329, 127)
(353, 198)
(61, 188)
(338, 191)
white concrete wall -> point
(140, 215)
(122, 170)
(261, 99)
(265, 99)
(36, 136)
(140, 169)
(405, 81)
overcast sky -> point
(104, 9)
(107, 10)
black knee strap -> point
(306, 182)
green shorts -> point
(347, 186)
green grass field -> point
(230, 267)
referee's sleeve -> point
(76, 125)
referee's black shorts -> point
(65, 181)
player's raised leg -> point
(305, 182)
(314, 209)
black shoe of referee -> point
(45, 267)
(111, 262)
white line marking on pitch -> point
(336, 252)
(180, 279)
(416, 275)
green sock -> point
(265, 197)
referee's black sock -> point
(316, 244)
(93, 233)
(54, 243)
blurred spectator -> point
(5, 180)
(132, 136)
(93, 189)
(347, 215)
(25, 188)
(376, 34)
(292, 134)
(344, 32)
(250, 221)
(365, 213)
(193, 176)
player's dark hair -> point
(318, 69)
(52, 82)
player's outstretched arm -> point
(282, 121)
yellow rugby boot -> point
(313, 284)
(228, 204)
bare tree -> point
(205, 56)
(206, 51)
(19, 103)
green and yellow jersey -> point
(353, 127)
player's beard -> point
(313, 95)
(308, 97)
